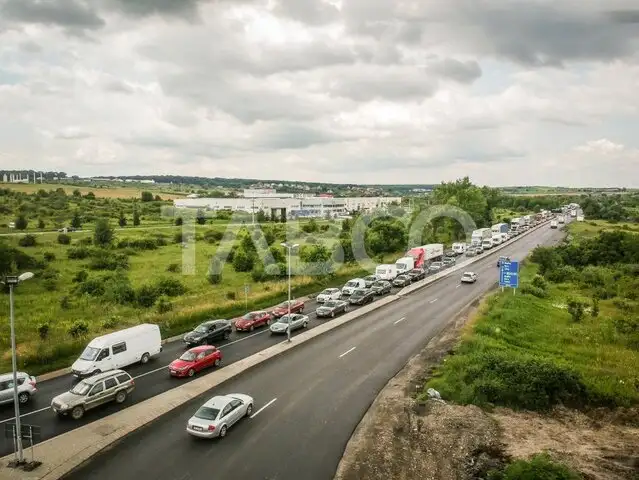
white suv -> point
(26, 387)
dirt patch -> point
(402, 439)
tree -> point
(179, 221)
(547, 258)
(214, 275)
(243, 261)
(122, 220)
(147, 197)
(136, 217)
(103, 233)
(41, 224)
(76, 222)
(200, 217)
(386, 236)
(576, 310)
(261, 217)
(21, 222)
(77, 193)
(90, 196)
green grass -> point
(592, 228)
(35, 305)
(526, 352)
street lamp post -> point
(289, 247)
(12, 282)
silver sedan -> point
(295, 319)
(215, 417)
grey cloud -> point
(312, 12)
(463, 72)
(116, 85)
(29, 46)
(73, 14)
(143, 8)
(362, 85)
(293, 136)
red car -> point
(297, 306)
(194, 360)
(248, 322)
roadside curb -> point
(424, 283)
(68, 451)
(65, 371)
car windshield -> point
(207, 413)
(284, 305)
(401, 266)
(379, 284)
(286, 319)
(81, 388)
(436, 264)
(359, 292)
(188, 356)
(352, 283)
(249, 316)
(327, 291)
(90, 354)
(202, 329)
(330, 304)
(370, 278)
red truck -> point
(425, 253)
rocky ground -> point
(402, 439)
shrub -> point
(49, 256)
(138, 243)
(539, 467)
(65, 303)
(274, 270)
(64, 239)
(170, 287)
(78, 253)
(79, 329)
(110, 323)
(164, 305)
(85, 241)
(564, 273)
(174, 267)
(539, 282)
(28, 241)
(178, 237)
(594, 311)
(592, 276)
(243, 261)
(214, 274)
(50, 284)
(146, 296)
(92, 286)
(623, 305)
(576, 309)
(80, 276)
(21, 222)
(41, 224)
(119, 290)
(626, 324)
(43, 331)
(258, 273)
(49, 273)
(213, 236)
(230, 295)
(179, 221)
(103, 233)
(106, 260)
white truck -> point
(515, 223)
(459, 248)
(553, 224)
(561, 219)
(386, 271)
(497, 240)
(404, 264)
(580, 218)
(479, 236)
(119, 349)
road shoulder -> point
(403, 439)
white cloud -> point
(373, 91)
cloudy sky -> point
(509, 92)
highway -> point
(314, 395)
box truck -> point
(479, 236)
(386, 272)
(515, 223)
(425, 253)
(500, 228)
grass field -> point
(106, 191)
(591, 228)
(524, 351)
(37, 304)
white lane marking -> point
(141, 375)
(433, 301)
(263, 408)
(400, 320)
(347, 352)
(24, 415)
(458, 286)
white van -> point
(404, 265)
(119, 349)
(386, 272)
(505, 237)
(496, 239)
(459, 248)
(352, 285)
(487, 244)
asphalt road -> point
(151, 379)
(314, 395)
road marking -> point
(347, 352)
(400, 320)
(433, 301)
(263, 408)
(24, 415)
(458, 286)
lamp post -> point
(289, 247)
(12, 282)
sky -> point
(511, 92)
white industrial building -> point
(294, 207)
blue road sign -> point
(509, 274)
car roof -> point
(219, 401)
(101, 376)
(9, 376)
(200, 348)
(469, 273)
